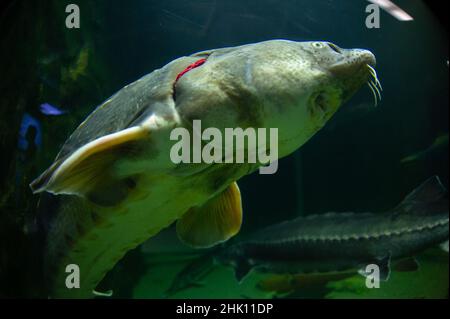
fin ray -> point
(216, 221)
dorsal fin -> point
(429, 191)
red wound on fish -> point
(189, 68)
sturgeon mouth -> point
(364, 73)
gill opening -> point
(374, 85)
(190, 67)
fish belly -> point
(95, 238)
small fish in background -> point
(30, 133)
(440, 143)
(28, 144)
(48, 109)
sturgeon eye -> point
(317, 45)
(335, 48)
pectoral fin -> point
(214, 222)
(87, 171)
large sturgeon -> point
(335, 242)
(116, 183)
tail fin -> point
(430, 191)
